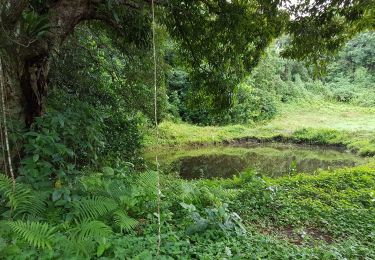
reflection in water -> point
(227, 165)
(272, 160)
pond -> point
(269, 159)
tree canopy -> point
(219, 39)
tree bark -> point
(26, 57)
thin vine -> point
(4, 122)
(156, 127)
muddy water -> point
(270, 159)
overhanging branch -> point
(109, 21)
(11, 10)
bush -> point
(63, 142)
(365, 98)
(122, 137)
(58, 143)
(252, 104)
(343, 90)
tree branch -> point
(12, 10)
(109, 21)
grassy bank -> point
(318, 123)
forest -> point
(201, 129)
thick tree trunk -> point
(25, 86)
(26, 66)
(33, 83)
(25, 55)
(12, 88)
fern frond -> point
(91, 230)
(94, 207)
(15, 195)
(125, 222)
(37, 234)
(78, 248)
(117, 189)
(35, 206)
(148, 181)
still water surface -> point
(270, 159)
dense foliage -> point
(110, 215)
(349, 77)
(77, 89)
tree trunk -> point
(26, 65)
(24, 84)
(25, 87)
(12, 114)
(33, 83)
(25, 55)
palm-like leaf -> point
(91, 230)
(15, 194)
(148, 181)
(94, 207)
(37, 234)
(125, 222)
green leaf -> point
(37, 234)
(94, 229)
(93, 207)
(108, 171)
(36, 157)
(56, 195)
(188, 207)
(100, 250)
(125, 222)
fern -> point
(35, 206)
(37, 234)
(91, 230)
(148, 181)
(15, 195)
(117, 189)
(125, 222)
(94, 207)
(74, 246)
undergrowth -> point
(111, 215)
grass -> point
(183, 133)
(337, 116)
(316, 123)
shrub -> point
(58, 143)
(343, 90)
(251, 104)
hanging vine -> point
(156, 126)
(4, 123)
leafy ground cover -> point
(330, 215)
